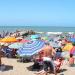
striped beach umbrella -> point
(31, 48)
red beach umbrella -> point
(24, 41)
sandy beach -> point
(18, 68)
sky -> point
(37, 12)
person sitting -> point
(71, 60)
(48, 66)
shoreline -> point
(38, 28)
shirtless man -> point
(47, 59)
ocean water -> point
(37, 28)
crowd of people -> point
(52, 60)
(49, 59)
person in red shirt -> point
(71, 60)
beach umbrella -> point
(36, 36)
(31, 48)
(15, 45)
(9, 39)
(72, 51)
(67, 47)
(24, 41)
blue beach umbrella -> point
(31, 48)
(15, 45)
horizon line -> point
(37, 25)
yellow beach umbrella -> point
(8, 39)
(68, 47)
